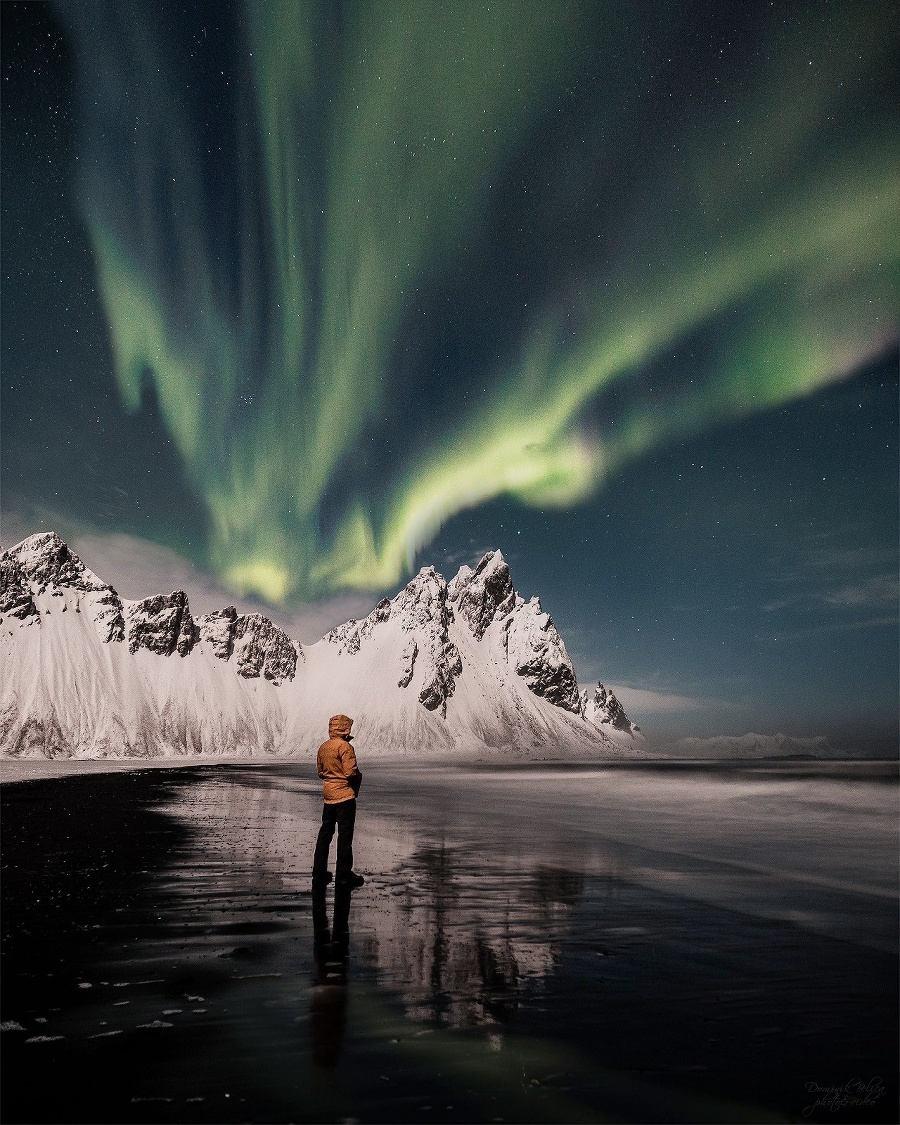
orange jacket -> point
(336, 763)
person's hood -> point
(339, 726)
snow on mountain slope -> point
(443, 669)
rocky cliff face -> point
(537, 653)
(534, 648)
(16, 599)
(421, 610)
(44, 566)
(484, 594)
(218, 629)
(261, 648)
(162, 624)
(257, 646)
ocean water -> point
(629, 942)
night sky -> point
(300, 297)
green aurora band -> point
(369, 146)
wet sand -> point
(634, 943)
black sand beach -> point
(639, 944)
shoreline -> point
(18, 770)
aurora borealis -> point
(264, 285)
(369, 267)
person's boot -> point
(352, 880)
(323, 882)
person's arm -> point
(348, 761)
(351, 769)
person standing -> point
(341, 779)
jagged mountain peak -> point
(422, 601)
(420, 605)
(43, 567)
(422, 614)
(484, 594)
(440, 666)
(262, 648)
(161, 623)
(605, 709)
(46, 560)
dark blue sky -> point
(616, 297)
(751, 572)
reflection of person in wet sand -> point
(341, 779)
(328, 1010)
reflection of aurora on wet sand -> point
(625, 943)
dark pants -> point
(343, 817)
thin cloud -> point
(314, 620)
(838, 627)
(749, 746)
(837, 579)
(646, 702)
(878, 590)
(843, 560)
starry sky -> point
(298, 297)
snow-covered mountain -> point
(444, 669)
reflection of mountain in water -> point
(458, 935)
(459, 946)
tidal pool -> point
(631, 942)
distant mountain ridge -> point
(462, 667)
